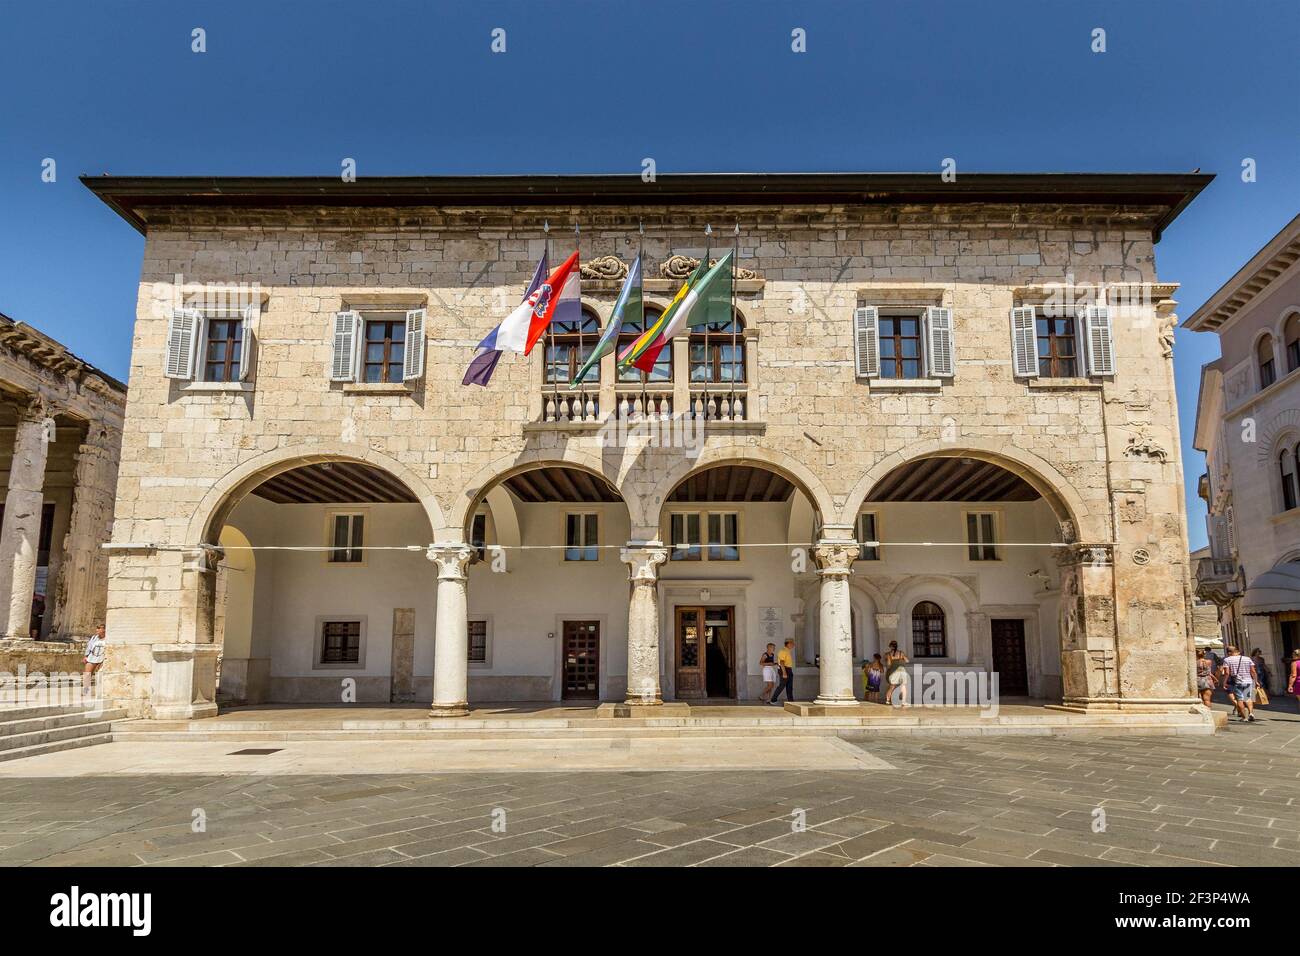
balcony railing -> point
(724, 406)
(570, 407)
(641, 405)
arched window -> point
(929, 633)
(663, 370)
(1264, 353)
(718, 357)
(568, 344)
(1287, 466)
(1291, 336)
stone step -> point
(12, 714)
(49, 735)
(66, 719)
(71, 743)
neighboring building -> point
(1248, 425)
(909, 431)
(62, 424)
(1205, 614)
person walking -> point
(896, 677)
(1293, 676)
(767, 663)
(1204, 677)
(1265, 676)
(785, 664)
(1239, 680)
(873, 672)
(96, 653)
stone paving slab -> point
(908, 802)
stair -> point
(29, 731)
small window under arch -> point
(1264, 354)
(929, 631)
(568, 344)
(1287, 469)
(1291, 336)
(717, 352)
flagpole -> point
(735, 258)
(550, 332)
(644, 376)
(582, 380)
(708, 359)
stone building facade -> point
(1248, 425)
(60, 437)
(943, 414)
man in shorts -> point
(1240, 680)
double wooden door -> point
(1009, 656)
(706, 652)
(580, 675)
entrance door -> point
(1009, 657)
(706, 652)
(581, 673)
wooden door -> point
(1009, 657)
(690, 653)
(581, 672)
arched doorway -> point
(322, 591)
(547, 591)
(964, 550)
(739, 535)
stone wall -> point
(1105, 451)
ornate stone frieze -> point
(605, 267)
(1141, 444)
(681, 267)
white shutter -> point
(1098, 340)
(347, 338)
(1218, 528)
(1024, 342)
(251, 314)
(866, 336)
(182, 339)
(938, 342)
(413, 357)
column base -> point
(824, 700)
(183, 682)
(639, 708)
(184, 711)
(458, 709)
(1130, 705)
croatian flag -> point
(485, 359)
(520, 330)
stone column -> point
(83, 574)
(20, 532)
(835, 629)
(980, 635)
(1089, 662)
(451, 630)
(183, 682)
(644, 559)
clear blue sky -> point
(413, 87)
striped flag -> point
(485, 359)
(699, 306)
(629, 308)
(643, 341)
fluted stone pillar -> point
(835, 628)
(21, 530)
(451, 630)
(643, 621)
(83, 574)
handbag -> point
(1261, 696)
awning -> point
(1277, 589)
(1209, 641)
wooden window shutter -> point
(1024, 342)
(939, 346)
(1099, 341)
(866, 338)
(413, 358)
(347, 339)
(246, 359)
(183, 330)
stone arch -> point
(211, 514)
(1279, 427)
(917, 586)
(1056, 490)
(493, 475)
(789, 468)
(952, 595)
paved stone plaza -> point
(1230, 799)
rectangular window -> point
(867, 532)
(1057, 353)
(684, 535)
(347, 538)
(478, 642)
(340, 642)
(980, 537)
(478, 535)
(384, 349)
(223, 348)
(722, 537)
(900, 346)
(580, 542)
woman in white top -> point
(96, 651)
(767, 661)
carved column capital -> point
(452, 560)
(1084, 556)
(644, 560)
(835, 557)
